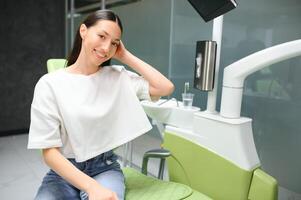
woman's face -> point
(100, 41)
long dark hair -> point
(91, 20)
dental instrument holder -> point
(205, 65)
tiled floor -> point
(21, 170)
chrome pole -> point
(103, 4)
(131, 153)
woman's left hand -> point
(121, 52)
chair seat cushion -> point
(141, 187)
(197, 196)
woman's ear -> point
(83, 31)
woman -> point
(80, 113)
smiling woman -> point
(101, 40)
(80, 113)
(92, 22)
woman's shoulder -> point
(50, 78)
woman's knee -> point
(113, 180)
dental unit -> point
(225, 135)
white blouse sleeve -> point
(44, 129)
(140, 85)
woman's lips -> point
(100, 55)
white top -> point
(86, 115)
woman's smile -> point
(100, 55)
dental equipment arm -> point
(236, 73)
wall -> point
(31, 32)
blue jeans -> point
(103, 168)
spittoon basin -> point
(170, 112)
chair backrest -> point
(205, 171)
(55, 64)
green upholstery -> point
(55, 64)
(263, 186)
(197, 196)
(142, 187)
(205, 171)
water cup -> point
(187, 99)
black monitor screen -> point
(210, 9)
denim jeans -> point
(103, 168)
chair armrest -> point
(155, 153)
(263, 186)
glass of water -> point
(187, 99)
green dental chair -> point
(195, 173)
(55, 64)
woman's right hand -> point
(96, 192)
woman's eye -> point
(102, 36)
(115, 44)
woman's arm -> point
(159, 84)
(63, 167)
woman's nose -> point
(106, 47)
